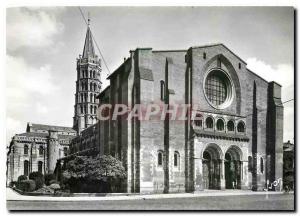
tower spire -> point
(89, 19)
(88, 50)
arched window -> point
(41, 150)
(198, 120)
(261, 165)
(90, 74)
(160, 158)
(176, 159)
(85, 109)
(26, 150)
(209, 122)
(91, 109)
(162, 90)
(204, 55)
(94, 74)
(220, 125)
(95, 86)
(82, 74)
(241, 127)
(91, 86)
(250, 164)
(40, 167)
(86, 73)
(65, 151)
(230, 126)
(81, 109)
(95, 109)
(26, 167)
(94, 98)
(91, 97)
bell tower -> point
(88, 85)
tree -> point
(103, 169)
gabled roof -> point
(88, 50)
(220, 44)
(49, 127)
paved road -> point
(240, 202)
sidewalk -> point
(13, 195)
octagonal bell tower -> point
(88, 85)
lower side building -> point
(37, 150)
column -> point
(244, 180)
(222, 174)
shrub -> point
(38, 178)
(27, 185)
(48, 178)
(22, 177)
(13, 183)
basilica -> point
(236, 141)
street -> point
(236, 202)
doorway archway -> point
(211, 166)
(233, 166)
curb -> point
(140, 197)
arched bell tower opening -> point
(211, 167)
(233, 166)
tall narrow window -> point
(160, 159)
(204, 55)
(41, 150)
(230, 126)
(241, 127)
(209, 123)
(250, 164)
(95, 109)
(94, 98)
(40, 167)
(162, 90)
(220, 125)
(91, 109)
(94, 74)
(26, 167)
(81, 109)
(95, 86)
(26, 150)
(261, 165)
(176, 159)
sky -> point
(42, 45)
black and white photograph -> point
(147, 108)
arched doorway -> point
(233, 168)
(211, 165)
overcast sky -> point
(43, 44)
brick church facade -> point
(235, 141)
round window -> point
(218, 89)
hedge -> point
(27, 185)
